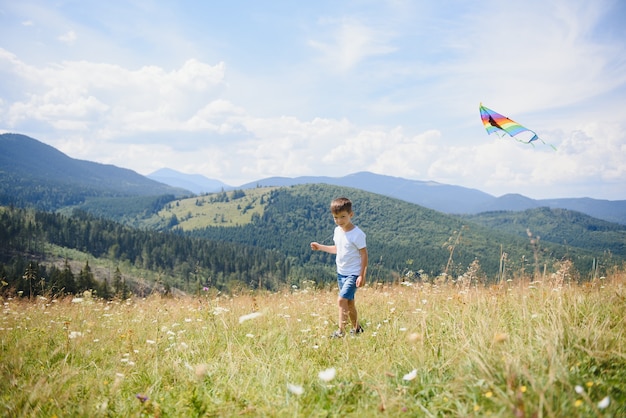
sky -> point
(239, 91)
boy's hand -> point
(360, 281)
(315, 246)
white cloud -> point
(351, 42)
(68, 37)
(392, 89)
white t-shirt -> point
(348, 245)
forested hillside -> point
(559, 226)
(192, 263)
(263, 241)
(401, 236)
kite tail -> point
(545, 143)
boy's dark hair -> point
(341, 204)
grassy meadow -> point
(525, 349)
(208, 210)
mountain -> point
(35, 174)
(441, 197)
(607, 210)
(400, 235)
(455, 199)
(196, 183)
(560, 226)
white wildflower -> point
(249, 316)
(219, 310)
(579, 389)
(604, 402)
(410, 376)
(295, 389)
(328, 374)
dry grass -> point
(519, 351)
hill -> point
(559, 226)
(401, 236)
(260, 239)
(454, 199)
(433, 195)
(35, 174)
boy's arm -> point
(331, 249)
(360, 281)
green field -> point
(524, 349)
(203, 211)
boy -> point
(351, 262)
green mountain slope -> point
(401, 236)
(262, 241)
(559, 226)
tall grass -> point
(519, 350)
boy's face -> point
(343, 218)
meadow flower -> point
(142, 398)
(201, 370)
(295, 389)
(328, 374)
(75, 334)
(219, 310)
(579, 389)
(244, 318)
(410, 376)
(604, 402)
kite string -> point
(327, 238)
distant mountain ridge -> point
(444, 198)
(195, 183)
(455, 199)
(31, 171)
(34, 173)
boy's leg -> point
(352, 313)
(347, 309)
(344, 313)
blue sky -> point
(242, 90)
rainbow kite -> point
(500, 125)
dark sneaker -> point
(337, 334)
(358, 330)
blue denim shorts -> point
(347, 286)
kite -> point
(501, 125)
